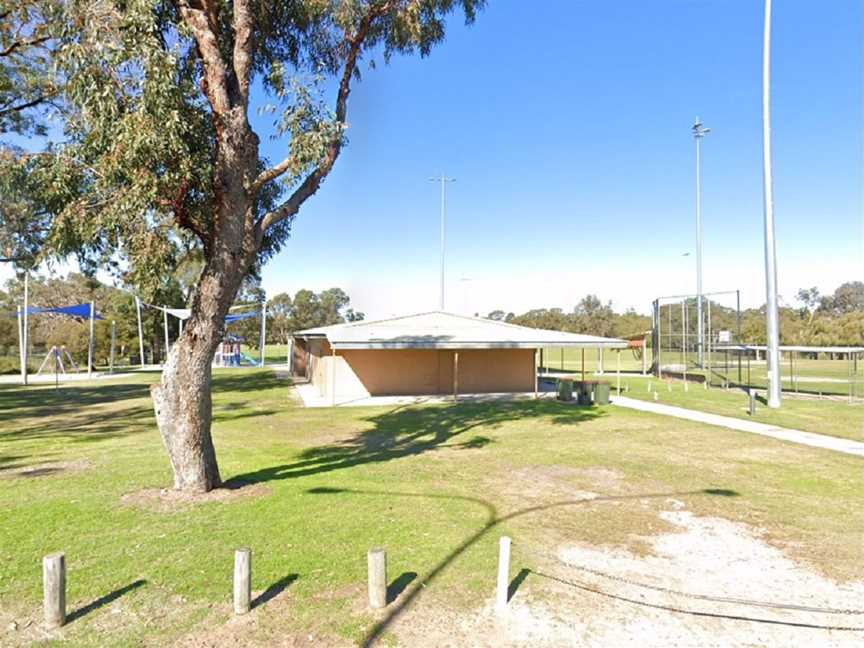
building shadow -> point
(102, 601)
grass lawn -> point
(435, 485)
(835, 417)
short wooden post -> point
(503, 588)
(377, 559)
(242, 580)
(54, 589)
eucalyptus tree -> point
(159, 156)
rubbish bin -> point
(565, 389)
(601, 393)
(584, 392)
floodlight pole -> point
(699, 131)
(772, 317)
(443, 179)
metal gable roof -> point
(441, 330)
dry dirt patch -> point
(46, 469)
(166, 500)
(707, 582)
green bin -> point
(601, 393)
(565, 389)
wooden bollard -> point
(242, 580)
(377, 560)
(503, 589)
(54, 589)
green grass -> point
(436, 485)
(836, 417)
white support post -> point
(618, 372)
(536, 386)
(502, 589)
(263, 341)
(333, 377)
(25, 331)
(455, 375)
(600, 361)
(289, 356)
(113, 344)
(140, 330)
(90, 343)
(165, 330)
(21, 347)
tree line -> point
(836, 319)
(284, 316)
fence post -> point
(54, 589)
(242, 580)
(503, 574)
(377, 562)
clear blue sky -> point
(567, 126)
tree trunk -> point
(182, 400)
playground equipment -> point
(82, 311)
(57, 354)
(182, 314)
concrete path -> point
(837, 444)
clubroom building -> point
(427, 354)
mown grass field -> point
(836, 417)
(314, 489)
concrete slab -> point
(309, 395)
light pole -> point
(443, 179)
(773, 324)
(699, 131)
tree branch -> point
(313, 181)
(243, 26)
(202, 22)
(27, 104)
(22, 43)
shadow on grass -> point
(493, 520)
(399, 585)
(407, 431)
(274, 590)
(102, 601)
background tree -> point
(159, 156)
(28, 34)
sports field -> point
(312, 490)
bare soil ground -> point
(708, 582)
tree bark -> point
(182, 400)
